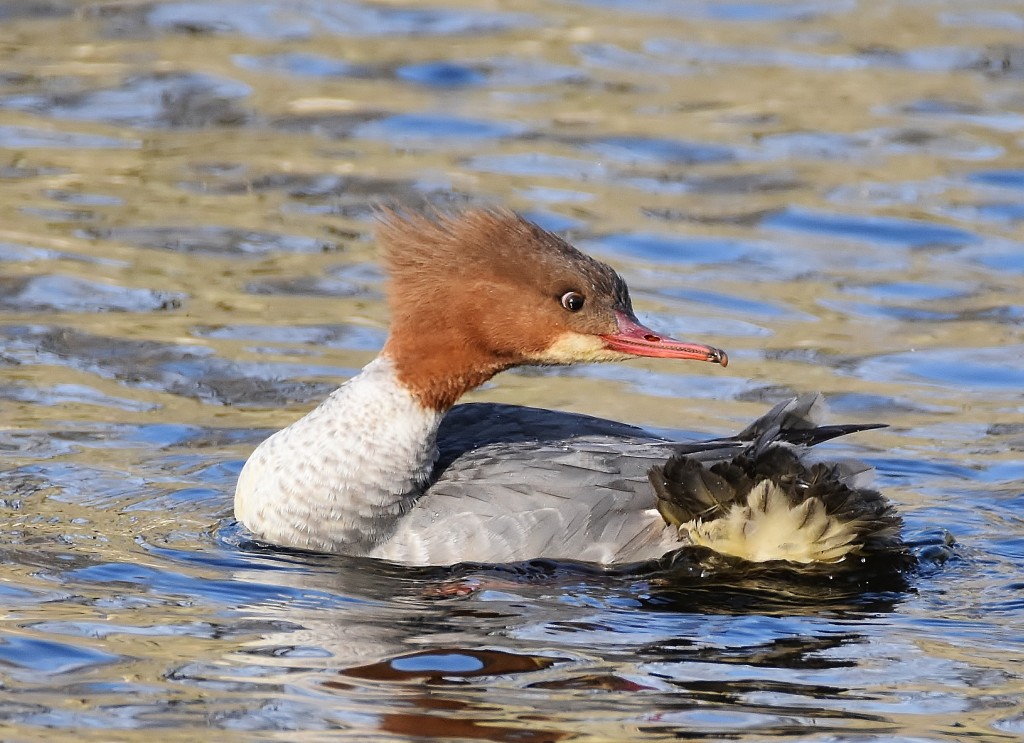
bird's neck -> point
(438, 360)
(339, 478)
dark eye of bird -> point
(573, 301)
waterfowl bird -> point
(389, 467)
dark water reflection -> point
(829, 189)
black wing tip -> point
(795, 420)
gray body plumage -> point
(516, 483)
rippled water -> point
(833, 191)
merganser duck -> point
(386, 467)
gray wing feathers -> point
(504, 503)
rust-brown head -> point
(474, 293)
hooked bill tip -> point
(719, 357)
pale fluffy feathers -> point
(771, 527)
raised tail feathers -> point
(768, 502)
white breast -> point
(337, 479)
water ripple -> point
(884, 230)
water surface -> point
(830, 190)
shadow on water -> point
(689, 572)
(693, 582)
